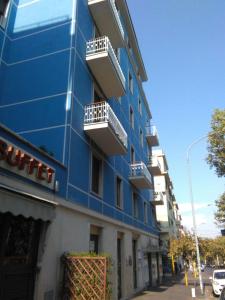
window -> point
(131, 117)
(93, 245)
(132, 155)
(145, 212)
(97, 97)
(119, 193)
(141, 138)
(4, 8)
(135, 205)
(139, 105)
(96, 184)
(131, 87)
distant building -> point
(167, 211)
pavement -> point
(173, 288)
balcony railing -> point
(152, 135)
(158, 198)
(117, 16)
(103, 44)
(105, 67)
(154, 165)
(101, 112)
(140, 176)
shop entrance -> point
(19, 240)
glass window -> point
(135, 205)
(4, 8)
(139, 105)
(93, 244)
(96, 184)
(145, 212)
(132, 155)
(131, 84)
(131, 117)
(141, 138)
(119, 191)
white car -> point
(218, 281)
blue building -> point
(76, 142)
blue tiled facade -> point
(45, 83)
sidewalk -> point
(174, 288)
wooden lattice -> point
(85, 278)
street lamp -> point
(193, 210)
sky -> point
(183, 47)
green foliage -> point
(220, 214)
(210, 249)
(184, 247)
(216, 143)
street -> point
(174, 288)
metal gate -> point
(19, 240)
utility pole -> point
(193, 211)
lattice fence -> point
(85, 278)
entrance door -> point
(134, 248)
(158, 271)
(119, 268)
(150, 268)
(19, 240)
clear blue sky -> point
(183, 46)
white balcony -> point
(154, 166)
(152, 136)
(104, 128)
(107, 20)
(140, 176)
(158, 198)
(105, 67)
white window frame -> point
(101, 175)
(4, 17)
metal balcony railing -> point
(102, 44)
(153, 161)
(158, 196)
(140, 169)
(101, 112)
(117, 16)
(151, 130)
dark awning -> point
(30, 206)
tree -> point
(184, 247)
(216, 143)
(220, 214)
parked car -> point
(222, 295)
(218, 281)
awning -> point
(30, 206)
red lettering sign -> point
(22, 161)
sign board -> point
(26, 165)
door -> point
(19, 240)
(119, 268)
(158, 271)
(134, 248)
(150, 268)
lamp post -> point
(193, 210)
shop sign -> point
(24, 164)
